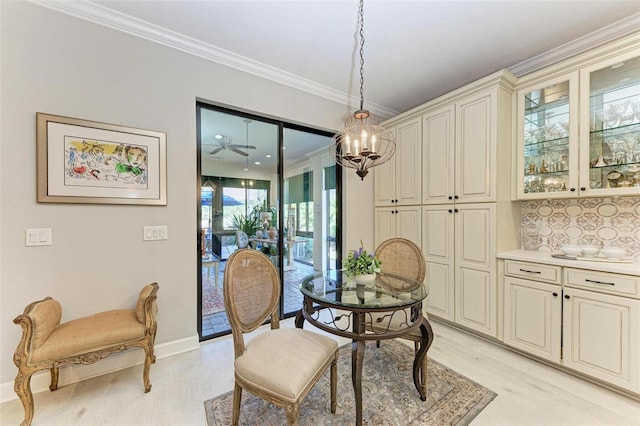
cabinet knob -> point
(456, 210)
(396, 201)
(572, 190)
(396, 211)
(450, 211)
(456, 197)
(450, 197)
(555, 294)
(566, 296)
(582, 188)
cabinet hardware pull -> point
(456, 197)
(456, 210)
(572, 190)
(566, 296)
(582, 188)
(450, 197)
(555, 294)
(531, 272)
(598, 282)
(450, 211)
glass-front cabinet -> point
(610, 105)
(579, 134)
(548, 139)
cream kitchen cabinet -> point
(459, 243)
(533, 309)
(461, 140)
(584, 320)
(397, 182)
(578, 129)
(601, 331)
(397, 222)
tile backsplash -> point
(590, 221)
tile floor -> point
(216, 323)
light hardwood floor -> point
(529, 393)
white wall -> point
(54, 63)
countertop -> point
(545, 257)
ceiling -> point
(414, 50)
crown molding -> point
(109, 18)
(101, 15)
(617, 30)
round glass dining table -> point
(387, 308)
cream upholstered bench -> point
(47, 344)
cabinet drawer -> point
(536, 271)
(604, 282)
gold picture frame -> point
(88, 162)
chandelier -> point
(363, 143)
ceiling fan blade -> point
(237, 151)
(242, 146)
(215, 151)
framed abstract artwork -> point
(81, 161)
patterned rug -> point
(389, 396)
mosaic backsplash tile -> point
(591, 221)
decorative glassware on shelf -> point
(614, 137)
(546, 139)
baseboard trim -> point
(75, 373)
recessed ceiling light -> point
(618, 65)
(218, 136)
(246, 169)
(284, 147)
(257, 163)
(268, 155)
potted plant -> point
(361, 266)
(248, 224)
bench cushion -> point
(89, 334)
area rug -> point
(389, 396)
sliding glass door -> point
(245, 163)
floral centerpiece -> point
(359, 262)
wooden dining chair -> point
(279, 365)
(402, 257)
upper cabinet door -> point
(547, 135)
(476, 149)
(408, 162)
(384, 177)
(610, 132)
(438, 132)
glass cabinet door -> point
(610, 93)
(547, 132)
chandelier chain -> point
(361, 19)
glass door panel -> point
(239, 184)
(307, 211)
(614, 134)
(546, 139)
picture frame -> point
(88, 162)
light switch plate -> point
(155, 233)
(38, 237)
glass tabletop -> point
(386, 292)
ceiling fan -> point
(225, 142)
